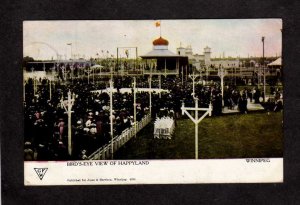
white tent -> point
(164, 128)
(277, 62)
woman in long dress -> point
(61, 126)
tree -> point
(26, 59)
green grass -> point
(233, 136)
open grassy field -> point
(232, 136)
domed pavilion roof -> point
(160, 42)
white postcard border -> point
(122, 172)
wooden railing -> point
(118, 141)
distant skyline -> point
(232, 37)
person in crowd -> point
(91, 111)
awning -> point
(277, 62)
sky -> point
(240, 37)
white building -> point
(205, 59)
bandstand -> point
(161, 61)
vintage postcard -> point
(153, 101)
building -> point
(163, 61)
(199, 61)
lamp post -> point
(159, 78)
(68, 104)
(263, 66)
(196, 120)
(193, 77)
(24, 91)
(50, 89)
(222, 73)
(182, 75)
(111, 118)
(70, 44)
(150, 95)
(34, 85)
(134, 104)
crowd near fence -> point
(105, 152)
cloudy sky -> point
(233, 37)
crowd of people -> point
(46, 121)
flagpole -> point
(160, 28)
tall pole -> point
(264, 71)
(50, 93)
(150, 95)
(70, 103)
(88, 75)
(182, 75)
(93, 75)
(160, 28)
(193, 77)
(34, 85)
(134, 104)
(111, 118)
(69, 124)
(159, 86)
(186, 75)
(234, 75)
(71, 51)
(222, 88)
(196, 120)
(24, 84)
(196, 129)
(221, 74)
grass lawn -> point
(231, 136)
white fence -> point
(118, 141)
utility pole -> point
(150, 95)
(159, 78)
(186, 73)
(89, 75)
(111, 117)
(196, 120)
(68, 107)
(70, 44)
(34, 85)
(182, 75)
(263, 66)
(50, 93)
(193, 77)
(134, 104)
(24, 91)
(222, 73)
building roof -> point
(160, 41)
(160, 53)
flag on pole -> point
(157, 23)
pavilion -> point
(161, 61)
(275, 67)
